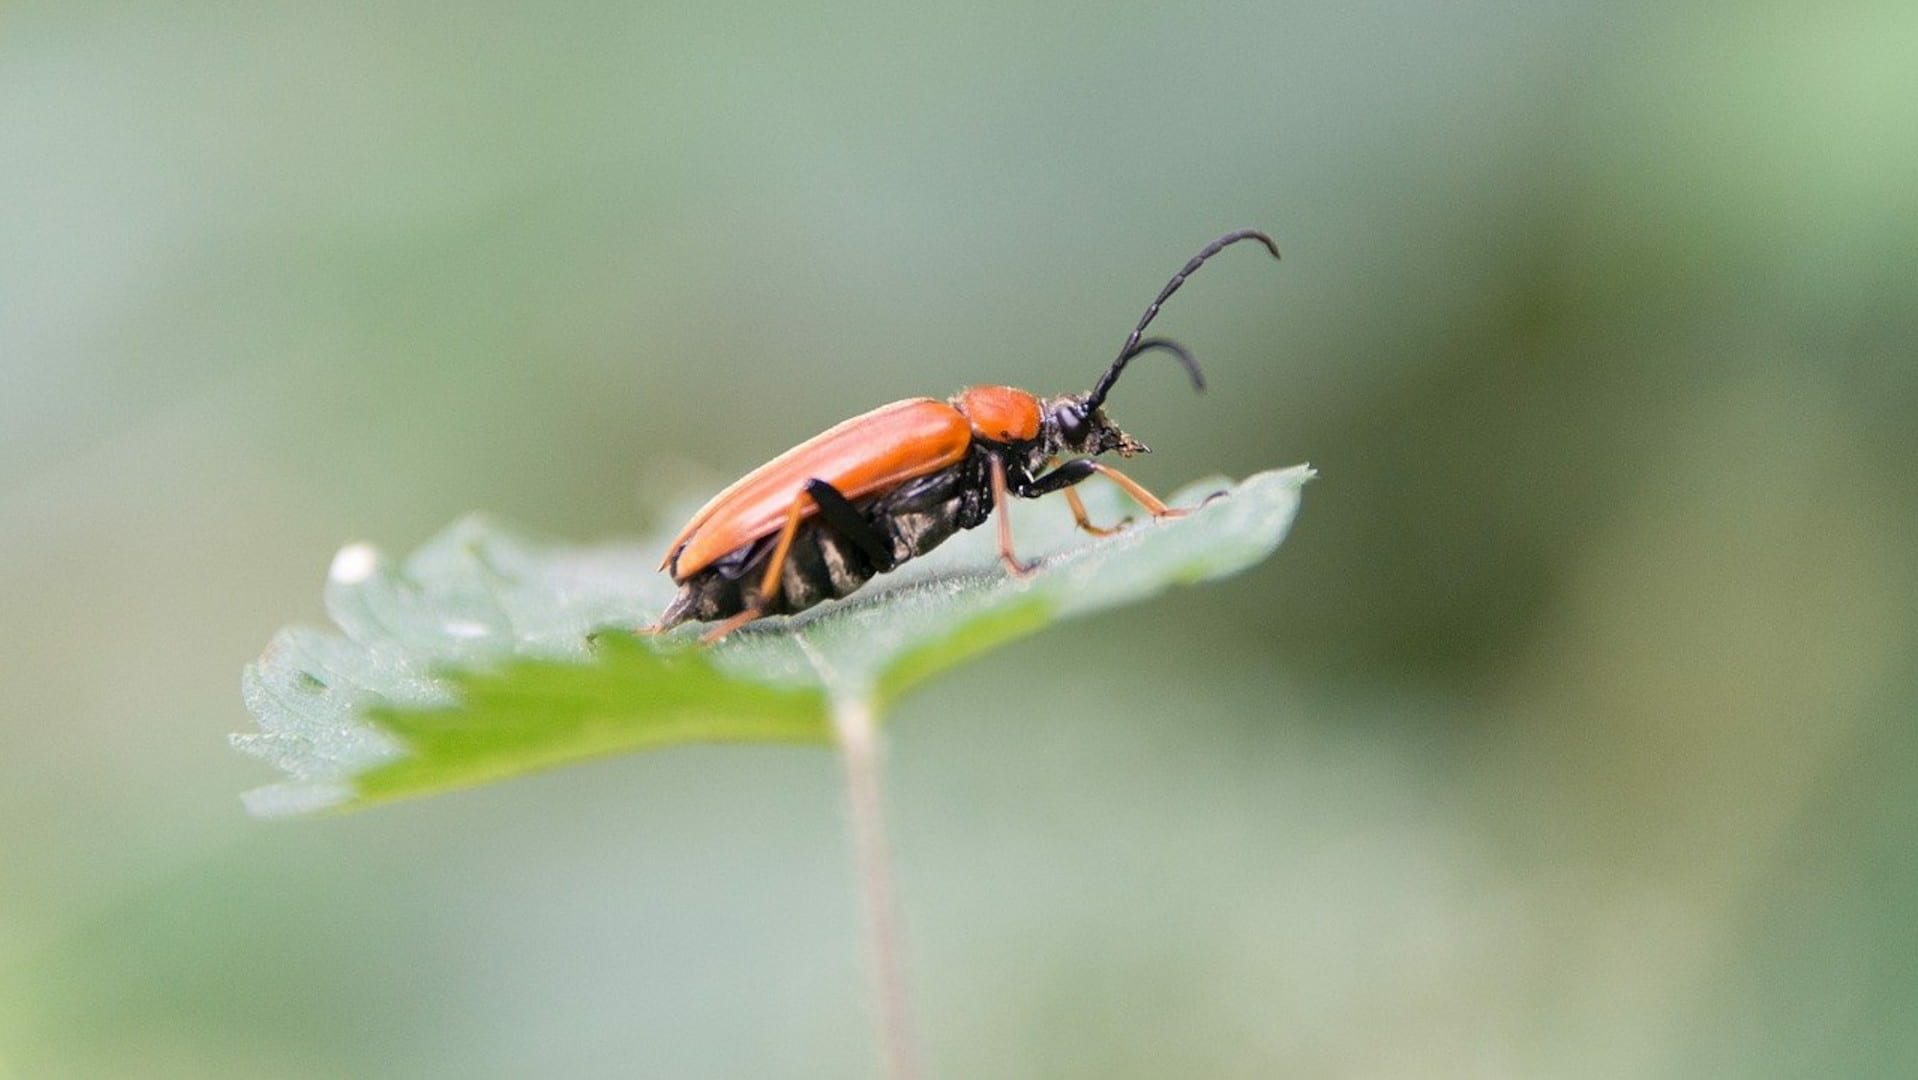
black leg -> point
(1074, 471)
(1057, 480)
(844, 517)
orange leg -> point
(1079, 509)
(1079, 515)
(769, 584)
(1139, 494)
(1013, 565)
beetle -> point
(821, 519)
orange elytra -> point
(871, 452)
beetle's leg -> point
(769, 583)
(1059, 479)
(729, 625)
(846, 519)
(1013, 565)
(1078, 505)
(1063, 477)
(1139, 494)
(1079, 515)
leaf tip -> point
(1299, 475)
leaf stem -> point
(856, 733)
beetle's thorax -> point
(1025, 429)
(1000, 414)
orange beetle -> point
(821, 519)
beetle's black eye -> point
(1072, 425)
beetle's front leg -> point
(1084, 521)
(1138, 492)
(1063, 477)
(1079, 515)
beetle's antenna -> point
(1098, 395)
(1133, 346)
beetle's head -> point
(1077, 423)
(1076, 426)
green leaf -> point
(487, 654)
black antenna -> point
(1098, 395)
(1134, 346)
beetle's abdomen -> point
(824, 564)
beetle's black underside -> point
(824, 563)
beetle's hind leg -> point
(839, 513)
(769, 583)
(848, 522)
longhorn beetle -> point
(859, 499)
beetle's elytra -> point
(821, 519)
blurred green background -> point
(1571, 734)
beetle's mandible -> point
(821, 519)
